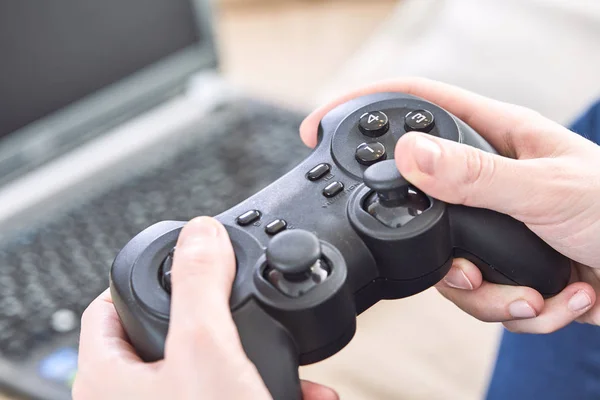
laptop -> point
(113, 116)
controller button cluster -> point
(332, 189)
(370, 153)
(419, 120)
(373, 124)
(275, 226)
(248, 217)
(318, 172)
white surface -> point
(543, 54)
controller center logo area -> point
(360, 233)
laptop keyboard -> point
(50, 273)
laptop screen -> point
(53, 53)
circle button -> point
(370, 153)
(373, 124)
(419, 120)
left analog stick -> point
(164, 273)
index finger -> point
(496, 121)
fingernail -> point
(427, 152)
(579, 301)
(197, 229)
(521, 309)
(457, 279)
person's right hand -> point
(547, 177)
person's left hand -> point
(204, 358)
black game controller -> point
(331, 238)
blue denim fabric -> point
(563, 365)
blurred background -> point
(62, 225)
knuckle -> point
(484, 318)
(592, 317)
(531, 326)
(527, 128)
(480, 310)
(543, 328)
(471, 305)
(514, 327)
(443, 290)
(479, 169)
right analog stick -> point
(395, 202)
(385, 179)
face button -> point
(370, 153)
(318, 172)
(332, 189)
(275, 226)
(248, 217)
(373, 124)
(419, 120)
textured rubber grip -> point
(507, 248)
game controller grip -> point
(506, 251)
(271, 348)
